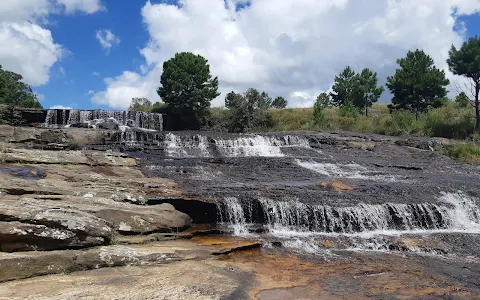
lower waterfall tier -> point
(457, 211)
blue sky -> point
(289, 49)
(78, 34)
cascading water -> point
(352, 170)
(458, 212)
(189, 146)
(67, 117)
(244, 146)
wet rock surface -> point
(328, 215)
(385, 173)
(188, 270)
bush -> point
(449, 122)
(348, 110)
(469, 152)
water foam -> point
(353, 171)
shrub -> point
(348, 110)
(469, 152)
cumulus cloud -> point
(26, 47)
(91, 92)
(60, 107)
(123, 88)
(95, 73)
(107, 39)
(290, 48)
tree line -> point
(187, 89)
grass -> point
(448, 122)
(467, 152)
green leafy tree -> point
(188, 87)
(345, 88)
(323, 99)
(265, 101)
(279, 103)
(369, 93)
(14, 92)
(466, 62)
(417, 84)
(462, 99)
(319, 107)
(247, 110)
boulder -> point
(159, 218)
(78, 222)
(30, 224)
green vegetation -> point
(467, 152)
(14, 92)
(418, 85)
(466, 62)
(279, 103)
(188, 88)
(246, 111)
(450, 121)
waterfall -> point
(244, 146)
(67, 117)
(186, 146)
(233, 212)
(456, 212)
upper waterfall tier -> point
(107, 119)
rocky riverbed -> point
(192, 215)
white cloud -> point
(91, 92)
(107, 39)
(85, 6)
(60, 107)
(26, 47)
(95, 73)
(123, 88)
(292, 48)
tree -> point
(14, 92)
(323, 99)
(265, 101)
(279, 103)
(140, 104)
(466, 62)
(417, 84)
(247, 110)
(188, 87)
(368, 90)
(345, 88)
(319, 106)
(462, 99)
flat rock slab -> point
(184, 280)
(20, 265)
(30, 264)
(12, 155)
